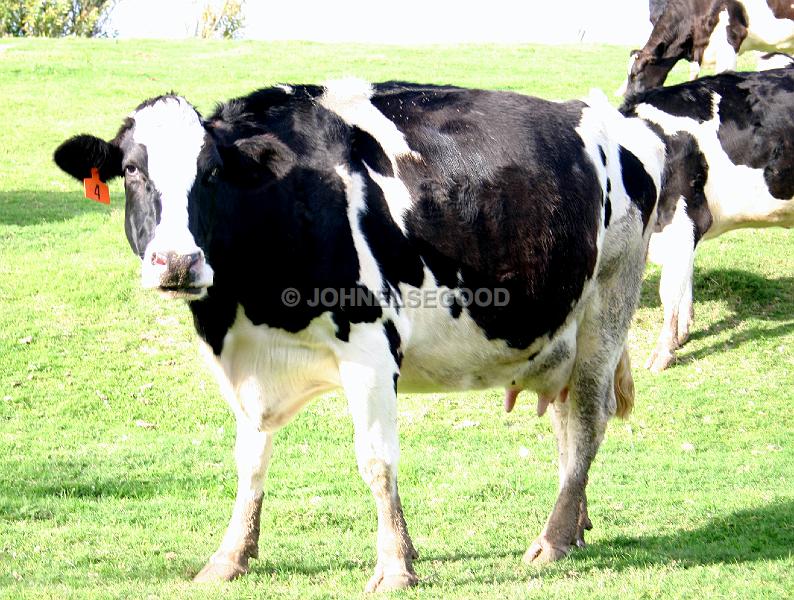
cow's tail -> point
(624, 386)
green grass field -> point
(116, 469)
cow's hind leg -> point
(559, 421)
(253, 449)
(624, 402)
(600, 364)
(370, 389)
(579, 429)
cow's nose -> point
(181, 270)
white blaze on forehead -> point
(173, 135)
(719, 52)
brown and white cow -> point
(707, 32)
(730, 165)
(366, 238)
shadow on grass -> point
(63, 480)
(747, 295)
(755, 534)
(684, 356)
(35, 207)
(37, 504)
(425, 565)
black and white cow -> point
(349, 235)
(707, 32)
(730, 165)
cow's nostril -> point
(159, 259)
(195, 260)
(182, 271)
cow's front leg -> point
(253, 449)
(579, 427)
(373, 406)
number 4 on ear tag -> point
(96, 189)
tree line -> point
(88, 18)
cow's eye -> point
(131, 169)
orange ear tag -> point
(96, 189)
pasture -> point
(116, 466)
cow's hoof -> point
(542, 552)
(215, 571)
(388, 583)
(659, 360)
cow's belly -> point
(447, 354)
(267, 374)
(738, 197)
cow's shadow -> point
(756, 534)
(35, 207)
(747, 295)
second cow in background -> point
(730, 165)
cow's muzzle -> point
(177, 275)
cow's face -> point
(647, 70)
(157, 152)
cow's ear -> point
(78, 155)
(268, 152)
(258, 156)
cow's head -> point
(682, 31)
(173, 164)
(648, 69)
